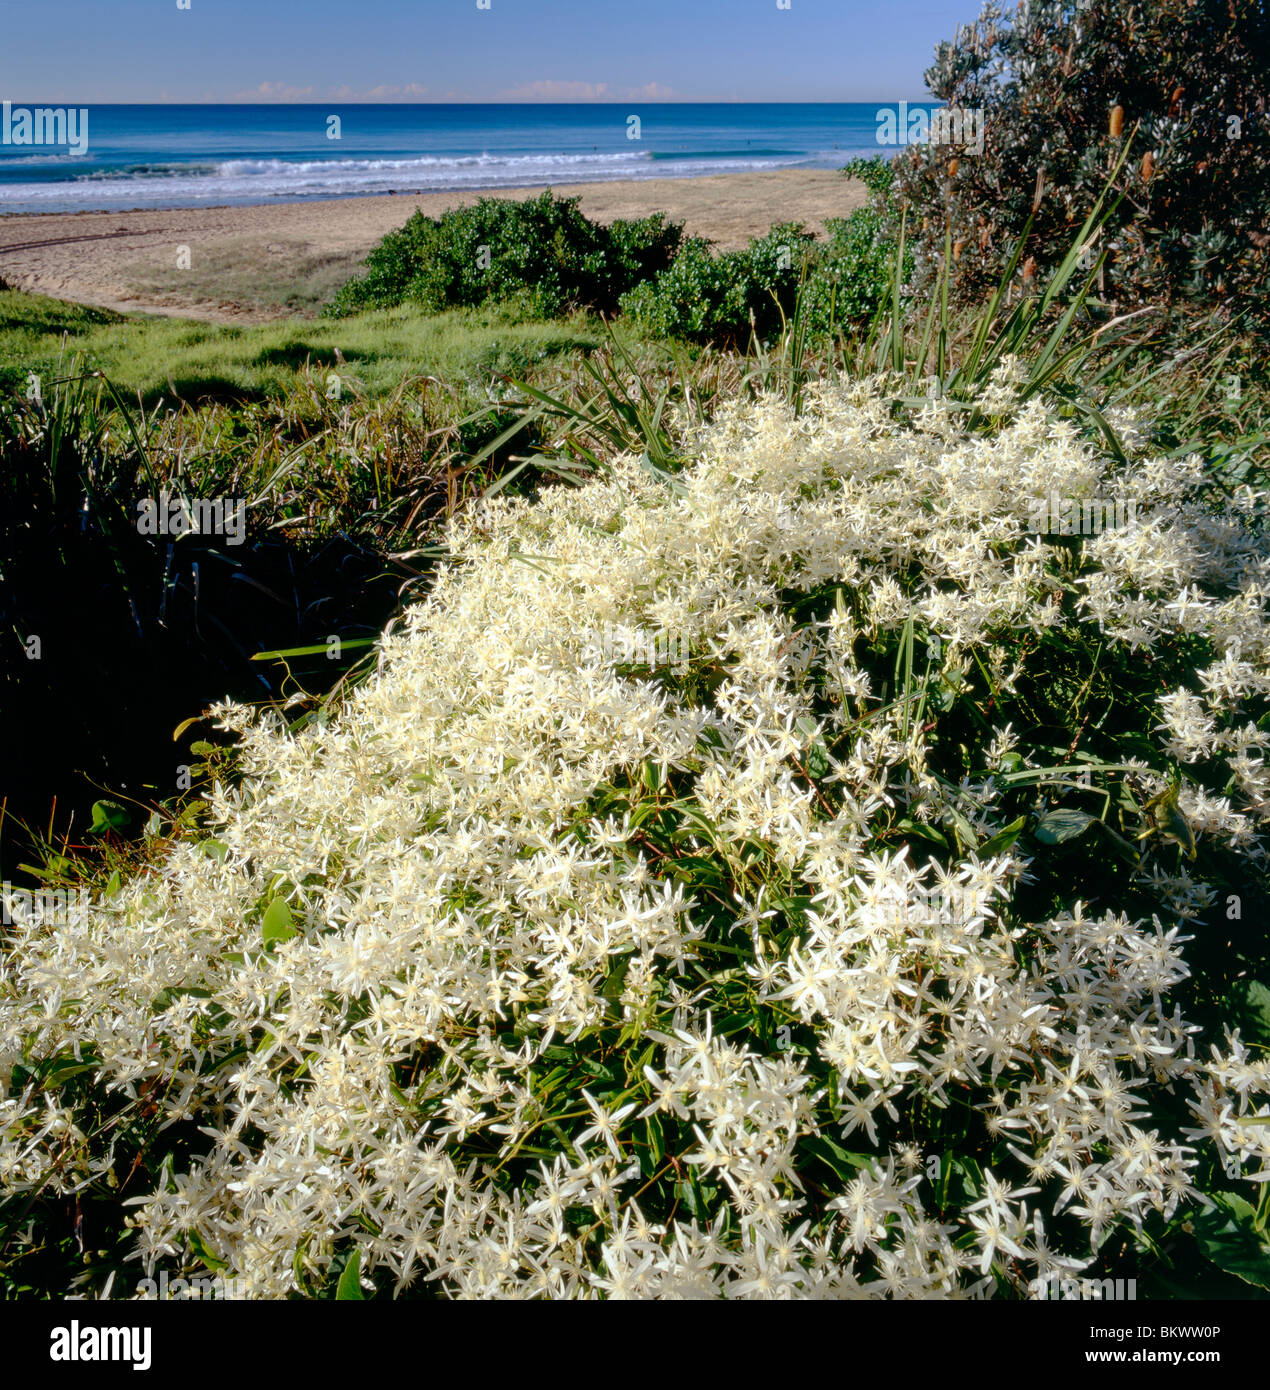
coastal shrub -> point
(851, 274)
(1062, 88)
(542, 252)
(696, 299)
(781, 884)
(877, 174)
(639, 249)
(723, 298)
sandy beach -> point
(253, 264)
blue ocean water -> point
(194, 156)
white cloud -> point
(650, 91)
(276, 91)
(551, 89)
(285, 91)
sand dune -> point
(249, 264)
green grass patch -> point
(187, 360)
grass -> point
(182, 360)
(242, 271)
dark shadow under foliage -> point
(110, 638)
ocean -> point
(197, 156)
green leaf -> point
(1055, 827)
(1166, 818)
(615, 981)
(108, 816)
(1249, 1009)
(277, 925)
(843, 1162)
(57, 1074)
(350, 1286)
(655, 1136)
(1225, 1235)
(963, 830)
(1003, 839)
(321, 648)
(923, 831)
(962, 1177)
(214, 849)
(167, 997)
(597, 1070)
(817, 760)
(199, 1246)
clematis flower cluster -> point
(432, 991)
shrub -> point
(1062, 87)
(695, 299)
(832, 947)
(722, 298)
(639, 250)
(542, 252)
(852, 273)
(877, 174)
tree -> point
(1062, 85)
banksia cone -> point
(1117, 122)
(953, 166)
(1148, 167)
(957, 245)
(1175, 101)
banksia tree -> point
(1063, 86)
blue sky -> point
(78, 51)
